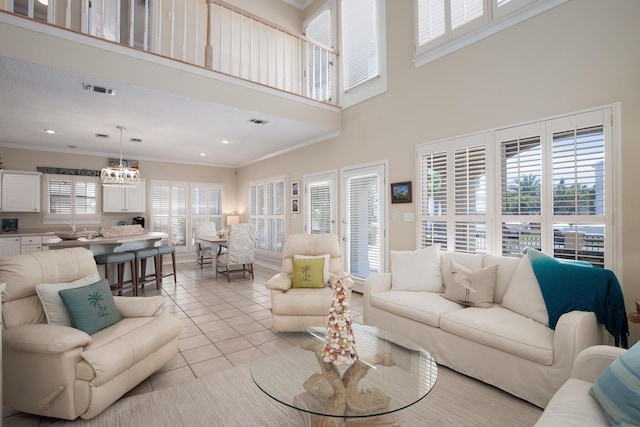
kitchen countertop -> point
(53, 241)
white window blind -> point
(267, 213)
(320, 203)
(430, 20)
(470, 198)
(364, 220)
(464, 11)
(71, 198)
(360, 45)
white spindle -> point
(184, 32)
(172, 37)
(146, 26)
(158, 37)
(230, 70)
(116, 30)
(196, 46)
(67, 15)
(30, 7)
(221, 36)
(132, 21)
(241, 59)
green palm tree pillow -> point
(91, 307)
(308, 273)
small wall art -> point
(295, 206)
(401, 192)
(295, 189)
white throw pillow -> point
(524, 295)
(54, 308)
(473, 288)
(416, 270)
(325, 271)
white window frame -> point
(73, 217)
(373, 86)
(218, 217)
(329, 90)
(495, 19)
(612, 152)
(280, 214)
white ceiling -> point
(172, 128)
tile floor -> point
(222, 323)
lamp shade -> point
(233, 219)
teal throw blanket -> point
(569, 286)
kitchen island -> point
(102, 245)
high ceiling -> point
(171, 128)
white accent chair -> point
(294, 309)
(205, 252)
(240, 250)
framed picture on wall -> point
(295, 189)
(401, 192)
(295, 206)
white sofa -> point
(60, 371)
(501, 344)
(572, 405)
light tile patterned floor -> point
(222, 323)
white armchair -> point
(205, 252)
(294, 309)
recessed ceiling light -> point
(203, 154)
(225, 141)
(51, 131)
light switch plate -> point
(408, 217)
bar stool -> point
(119, 259)
(141, 273)
(163, 250)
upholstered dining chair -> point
(295, 307)
(240, 250)
(205, 251)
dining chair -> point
(204, 251)
(240, 250)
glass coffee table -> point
(391, 374)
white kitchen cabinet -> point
(9, 246)
(117, 199)
(21, 191)
(30, 244)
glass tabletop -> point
(391, 373)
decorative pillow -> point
(473, 288)
(524, 295)
(91, 307)
(416, 270)
(54, 309)
(325, 270)
(617, 389)
(308, 273)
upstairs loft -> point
(203, 50)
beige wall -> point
(580, 55)
(29, 160)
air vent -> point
(98, 89)
(102, 135)
(258, 121)
(136, 140)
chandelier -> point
(119, 176)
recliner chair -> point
(294, 309)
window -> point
(71, 198)
(267, 213)
(363, 50)
(554, 189)
(206, 204)
(444, 26)
(320, 203)
(364, 221)
(169, 211)
(320, 65)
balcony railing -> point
(207, 33)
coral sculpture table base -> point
(329, 393)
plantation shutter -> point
(430, 20)
(360, 32)
(169, 211)
(71, 198)
(178, 212)
(86, 197)
(267, 204)
(206, 204)
(433, 200)
(521, 188)
(59, 195)
(464, 11)
(470, 198)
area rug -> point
(230, 398)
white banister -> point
(237, 42)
